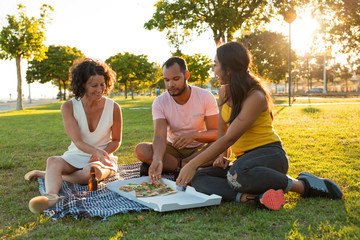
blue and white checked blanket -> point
(102, 203)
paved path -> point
(309, 104)
(11, 105)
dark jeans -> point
(254, 172)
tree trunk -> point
(346, 84)
(218, 37)
(64, 90)
(19, 103)
(60, 94)
(125, 89)
(132, 90)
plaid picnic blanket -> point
(102, 203)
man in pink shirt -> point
(185, 122)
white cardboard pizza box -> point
(189, 198)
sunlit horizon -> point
(120, 32)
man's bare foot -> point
(34, 174)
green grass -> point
(322, 139)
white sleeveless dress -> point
(100, 137)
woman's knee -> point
(233, 181)
(237, 176)
(54, 161)
(199, 182)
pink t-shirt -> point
(185, 118)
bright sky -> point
(101, 29)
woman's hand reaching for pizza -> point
(185, 175)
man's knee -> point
(143, 151)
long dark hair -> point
(235, 61)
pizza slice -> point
(146, 189)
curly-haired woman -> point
(93, 122)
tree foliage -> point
(223, 17)
(155, 79)
(270, 54)
(131, 69)
(199, 67)
(54, 68)
(23, 38)
(341, 19)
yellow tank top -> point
(260, 133)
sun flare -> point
(302, 31)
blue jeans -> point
(255, 172)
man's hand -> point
(155, 171)
(183, 140)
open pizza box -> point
(189, 198)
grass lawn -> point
(321, 139)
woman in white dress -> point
(93, 122)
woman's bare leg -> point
(55, 168)
(297, 186)
(82, 176)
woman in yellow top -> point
(245, 125)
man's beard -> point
(180, 92)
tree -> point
(223, 17)
(155, 78)
(199, 67)
(23, 39)
(341, 19)
(270, 54)
(130, 69)
(55, 67)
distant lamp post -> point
(307, 57)
(327, 53)
(289, 17)
(29, 94)
(246, 34)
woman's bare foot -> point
(34, 174)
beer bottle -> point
(93, 181)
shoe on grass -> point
(144, 169)
(40, 203)
(319, 187)
(271, 199)
(33, 175)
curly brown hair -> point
(83, 69)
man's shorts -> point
(182, 153)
